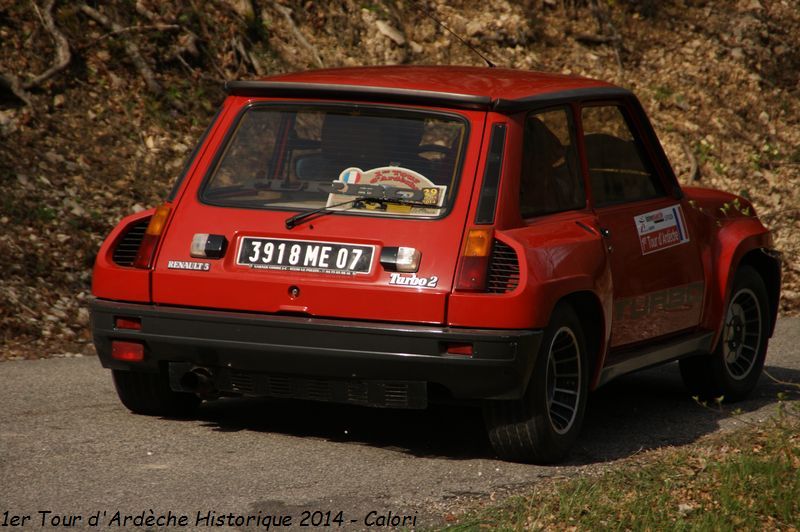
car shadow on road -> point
(635, 413)
(439, 431)
(652, 409)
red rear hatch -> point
(330, 265)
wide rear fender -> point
(120, 283)
(566, 262)
(736, 242)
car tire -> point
(543, 425)
(149, 394)
(733, 370)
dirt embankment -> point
(100, 103)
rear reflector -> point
(127, 351)
(459, 349)
(144, 259)
(133, 324)
(472, 274)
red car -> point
(394, 236)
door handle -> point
(606, 234)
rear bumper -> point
(257, 354)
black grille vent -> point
(375, 393)
(503, 269)
(128, 246)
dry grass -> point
(747, 480)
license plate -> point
(305, 256)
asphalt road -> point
(67, 446)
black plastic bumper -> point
(334, 360)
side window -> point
(550, 180)
(248, 156)
(617, 170)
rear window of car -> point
(402, 163)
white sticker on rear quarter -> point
(661, 229)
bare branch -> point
(603, 18)
(130, 47)
(287, 14)
(238, 45)
(130, 29)
(694, 170)
(63, 55)
(13, 84)
(241, 10)
(776, 164)
(139, 29)
(586, 38)
(145, 12)
(782, 382)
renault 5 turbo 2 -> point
(397, 236)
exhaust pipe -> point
(200, 381)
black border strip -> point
(350, 92)
(490, 188)
(502, 105)
(652, 355)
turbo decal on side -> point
(412, 281)
(678, 297)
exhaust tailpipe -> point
(200, 381)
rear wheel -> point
(542, 426)
(149, 394)
(732, 371)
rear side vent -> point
(503, 273)
(128, 245)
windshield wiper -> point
(296, 219)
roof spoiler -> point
(357, 92)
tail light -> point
(147, 250)
(474, 265)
